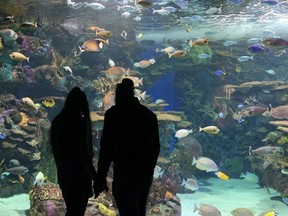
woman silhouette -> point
(71, 142)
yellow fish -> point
(210, 129)
(140, 35)
(222, 175)
(49, 102)
(18, 56)
(271, 214)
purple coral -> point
(29, 74)
(50, 208)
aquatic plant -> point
(195, 51)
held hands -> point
(100, 185)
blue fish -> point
(257, 48)
(172, 142)
(270, 2)
(285, 200)
(220, 73)
(2, 135)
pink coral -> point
(50, 208)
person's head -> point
(76, 102)
(124, 90)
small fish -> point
(166, 50)
(254, 40)
(111, 63)
(108, 100)
(270, 2)
(205, 164)
(144, 63)
(21, 179)
(92, 46)
(104, 33)
(238, 68)
(242, 211)
(4, 174)
(207, 210)
(245, 58)
(264, 150)
(125, 14)
(284, 171)
(68, 70)
(9, 33)
(222, 175)
(257, 48)
(124, 34)
(95, 6)
(177, 53)
(158, 172)
(39, 179)
(28, 101)
(162, 12)
(275, 42)
(183, 133)
(190, 184)
(188, 30)
(144, 3)
(229, 43)
(2, 135)
(272, 213)
(198, 42)
(127, 8)
(210, 129)
(18, 170)
(140, 35)
(220, 73)
(137, 18)
(204, 56)
(49, 102)
(271, 72)
(159, 101)
(16, 56)
(96, 28)
(29, 25)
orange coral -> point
(24, 119)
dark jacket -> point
(130, 139)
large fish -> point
(19, 170)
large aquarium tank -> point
(213, 71)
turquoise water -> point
(202, 63)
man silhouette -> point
(130, 140)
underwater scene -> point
(214, 72)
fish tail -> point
(28, 59)
(269, 107)
(195, 208)
(107, 42)
(157, 50)
(190, 42)
(250, 150)
(169, 54)
(190, 131)
(101, 45)
(200, 129)
(252, 57)
(183, 182)
(141, 81)
(194, 161)
(118, 7)
(127, 72)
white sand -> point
(225, 195)
(231, 194)
(14, 206)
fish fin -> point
(101, 45)
(250, 150)
(194, 161)
(216, 173)
(269, 107)
(141, 81)
(183, 182)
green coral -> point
(196, 50)
(282, 140)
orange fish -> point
(199, 42)
(108, 100)
(92, 45)
(222, 175)
(96, 28)
(21, 178)
(104, 33)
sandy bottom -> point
(231, 194)
(224, 195)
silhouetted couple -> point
(130, 140)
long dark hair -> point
(76, 104)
